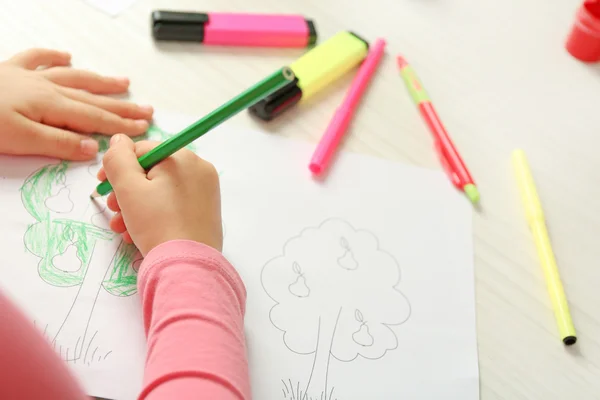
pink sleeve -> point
(193, 304)
(29, 367)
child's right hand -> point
(179, 198)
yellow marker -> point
(537, 224)
(314, 71)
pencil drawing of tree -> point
(67, 231)
(336, 297)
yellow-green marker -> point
(314, 71)
(537, 224)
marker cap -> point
(174, 25)
(276, 103)
(183, 26)
(584, 40)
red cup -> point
(584, 40)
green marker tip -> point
(472, 193)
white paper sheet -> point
(111, 7)
(359, 287)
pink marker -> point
(343, 115)
(229, 29)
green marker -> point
(246, 99)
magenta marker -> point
(343, 115)
(229, 29)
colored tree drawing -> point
(336, 295)
(65, 241)
(65, 235)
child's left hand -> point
(46, 107)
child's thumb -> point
(121, 164)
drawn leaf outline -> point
(358, 315)
(344, 243)
(296, 268)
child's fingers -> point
(141, 148)
(117, 225)
(86, 80)
(82, 117)
(112, 203)
(127, 238)
(144, 146)
(59, 143)
(101, 175)
(122, 108)
(121, 165)
(35, 58)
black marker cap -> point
(570, 340)
(359, 38)
(312, 33)
(274, 104)
(182, 26)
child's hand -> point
(43, 111)
(179, 198)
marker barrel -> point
(537, 224)
(343, 115)
(329, 142)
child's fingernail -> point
(89, 147)
(142, 124)
(146, 108)
(122, 80)
(115, 139)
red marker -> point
(451, 161)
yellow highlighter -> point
(537, 224)
(314, 71)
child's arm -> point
(29, 368)
(193, 299)
(193, 303)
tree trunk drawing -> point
(317, 387)
(71, 336)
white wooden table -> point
(501, 79)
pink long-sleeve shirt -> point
(193, 304)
